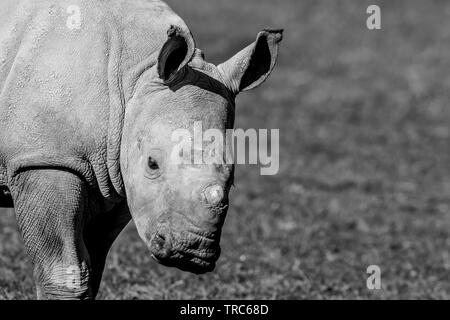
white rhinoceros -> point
(90, 92)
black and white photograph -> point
(239, 150)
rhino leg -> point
(50, 209)
(99, 234)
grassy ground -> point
(364, 161)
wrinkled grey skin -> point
(86, 117)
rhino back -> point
(62, 94)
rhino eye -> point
(152, 170)
(152, 164)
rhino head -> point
(179, 209)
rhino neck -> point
(136, 34)
(122, 84)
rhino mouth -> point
(197, 254)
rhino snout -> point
(195, 253)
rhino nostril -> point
(158, 242)
(161, 247)
(214, 194)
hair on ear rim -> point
(277, 34)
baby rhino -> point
(90, 95)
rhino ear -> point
(175, 52)
(251, 66)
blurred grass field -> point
(364, 179)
